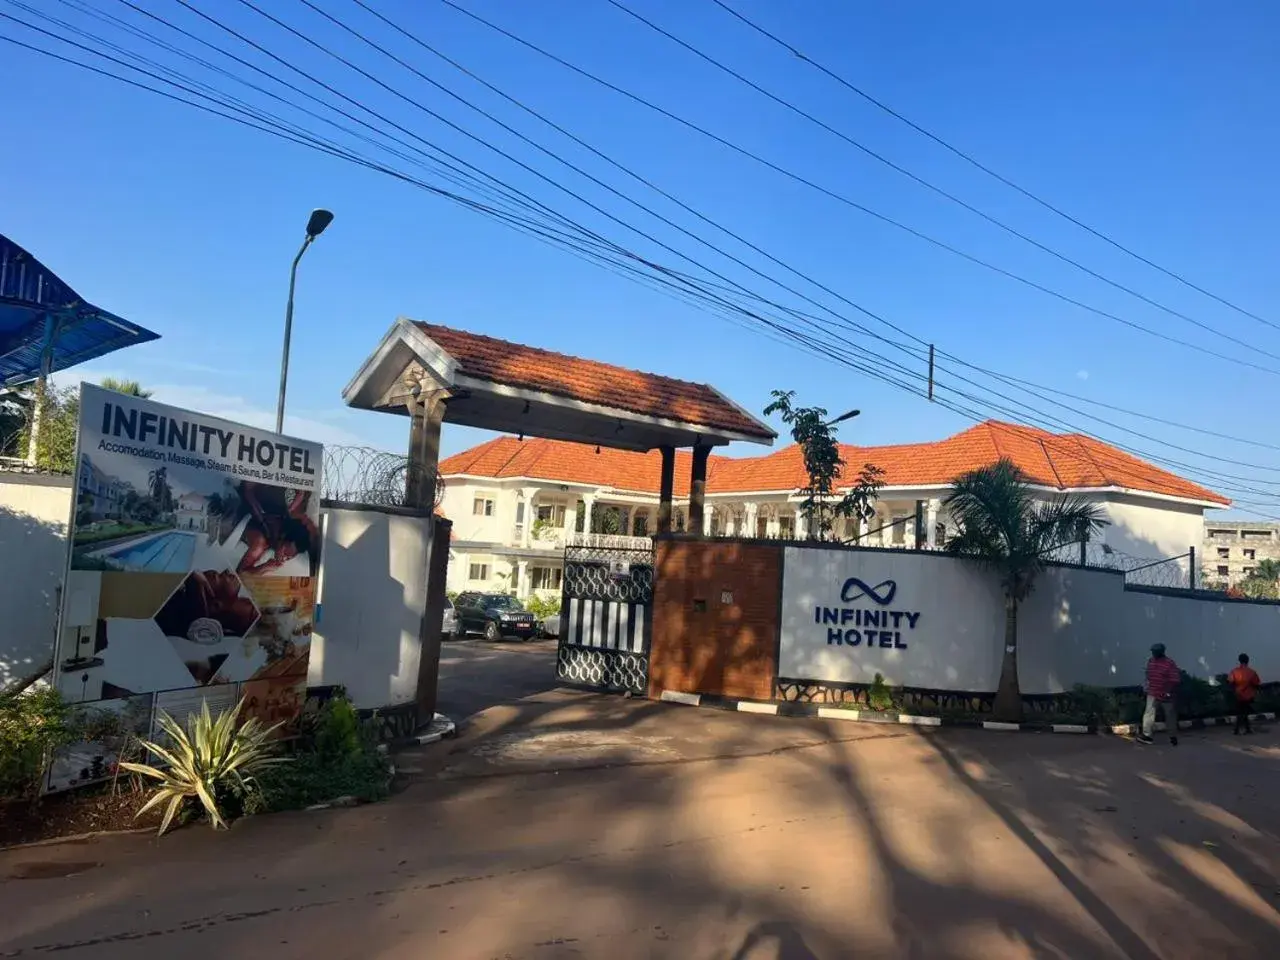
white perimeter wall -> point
(1078, 626)
(34, 511)
(373, 591)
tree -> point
(1262, 583)
(15, 411)
(1003, 525)
(130, 388)
(59, 419)
(824, 466)
(1268, 569)
(158, 487)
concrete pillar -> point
(883, 518)
(522, 578)
(666, 488)
(698, 491)
(771, 529)
(931, 519)
(526, 532)
(863, 528)
(570, 517)
(588, 509)
(749, 511)
(802, 526)
(707, 516)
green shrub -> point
(313, 778)
(337, 729)
(1094, 703)
(1200, 698)
(879, 696)
(33, 724)
(211, 765)
(542, 607)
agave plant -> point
(208, 761)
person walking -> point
(1162, 679)
(1245, 682)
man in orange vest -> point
(1245, 682)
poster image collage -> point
(186, 585)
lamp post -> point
(315, 226)
(843, 417)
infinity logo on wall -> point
(882, 593)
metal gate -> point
(606, 616)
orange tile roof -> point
(589, 381)
(1062, 461)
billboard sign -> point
(919, 620)
(195, 551)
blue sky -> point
(1153, 122)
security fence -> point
(363, 475)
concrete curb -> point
(1129, 729)
(862, 716)
(439, 728)
(75, 838)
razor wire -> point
(364, 475)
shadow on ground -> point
(581, 826)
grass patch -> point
(116, 530)
(310, 778)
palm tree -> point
(1268, 569)
(131, 388)
(158, 487)
(1004, 525)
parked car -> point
(551, 625)
(496, 615)
(448, 626)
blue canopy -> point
(45, 324)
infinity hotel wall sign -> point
(858, 622)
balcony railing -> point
(609, 540)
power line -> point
(803, 339)
(974, 162)
(916, 178)
(853, 204)
(606, 186)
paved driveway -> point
(571, 826)
(475, 674)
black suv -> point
(496, 615)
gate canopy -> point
(507, 387)
(45, 326)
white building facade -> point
(515, 504)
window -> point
(640, 525)
(478, 571)
(1249, 553)
(679, 521)
(551, 514)
(762, 527)
(1248, 572)
(1225, 552)
(1222, 571)
(483, 507)
(546, 578)
(715, 525)
(787, 528)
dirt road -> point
(594, 827)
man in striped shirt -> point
(1161, 684)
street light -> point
(843, 417)
(316, 223)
